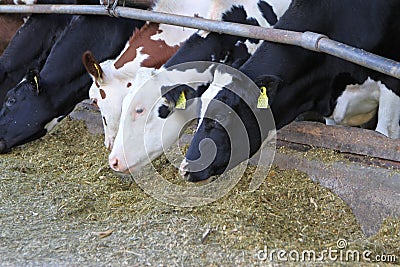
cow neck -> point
(65, 97)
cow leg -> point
(388, 113)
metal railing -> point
(307, 40)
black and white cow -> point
(298, 80)
(31, 45)
(202, 46)
(44, 98)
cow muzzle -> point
(188, 175)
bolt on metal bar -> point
(307, 40)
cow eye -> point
(139, 110)
(10, 102)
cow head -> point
(142, 134)
(110, 85)
(22, 117)
(230, 129)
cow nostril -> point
(114, 163)
(3, 146)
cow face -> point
(229, 131)
(22, 115)
(142, 134)
(210, 149)
(110, 85)
(108, 97)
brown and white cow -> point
(147, 50)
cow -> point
(148, 49)
(44, 97)
(40, 31)
(297, 80)
(202, 46)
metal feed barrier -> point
(307, 40)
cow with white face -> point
(142, 134)
(148, 48)
(201, 46)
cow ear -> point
(92, 66)
(177, 96)
(33, 77)
(271, 82)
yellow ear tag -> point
(263, 98)
(181, 103)
(36, 82)
(98, 72)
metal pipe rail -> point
(307, 40)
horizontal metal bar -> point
(280, 36)
(308, 40)
(360, 57)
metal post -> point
(308, 40)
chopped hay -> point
(56, 192)
(316, 153)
